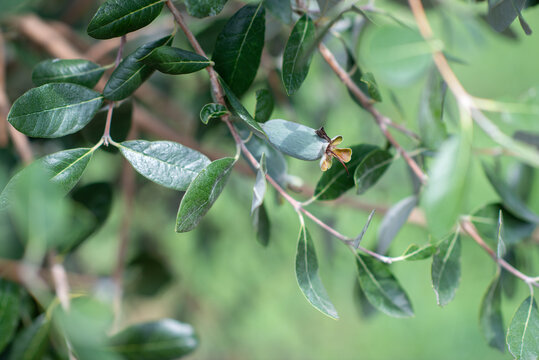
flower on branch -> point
(343, 155)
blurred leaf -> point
(202, 193)
(259, 189)
(381, 288)
(393, 221)
(239, 47)
(171, 60)
(77, 71)
(326, 5)
(509, 281)
(490, 315)
(430, 117)
(264, 105)
(371, 169)
(520, 178)
(10, 7)
(355, 74)
(500, 246)
(294, 139)
(307, 275)
(528, 138)
(120, 125)
(282, 9)
(132, 72)
(164, 162)
(261, 223)
(237, 109)
(31, 342)
(501, 13)
(372, 87)
(147, 274)
(446, 270)
(295, 62)
(116, 17)
(10, 300)
(414, 252)
(358, 238)
(203, 8)
(212, 111)
(54, 110)
(514, 229)
(523, 333)
(360, 299)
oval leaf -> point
(164, 162)
(170, 60)
(82, 72)
(446, 270)
(202, 193)
(238, 110)
(9, 311)
(31, 342)
(414, 252)
(490, 315)
(117, 17)
(393, 221)
(239, 47)
(211, 111)
(261, 223)
(264, 105)
(203, 8)
(371, 169)
(54, 110)
(523, 333)
(431, 127)
(307, 275)
(295, 62)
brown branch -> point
(59, 278)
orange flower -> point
(343, 155)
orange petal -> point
(344, 154)
(336, 140)
(325, 162)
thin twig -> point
(106, 132)
(59, 277)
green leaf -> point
(355, 74)
(117, 17)
(414, 252)
(371, 169)
(122, 118)
(82, 72)
(203, 8)
(165, 339)
(261, 223)
(10, 300)
(501, 13)
(509, 199)
(239, 47)
(237, 109)
(171, 60)
(430, 117)
(443, 197)
(164, 162)
(490, 315)
(282, 9)
(500, 245)
(31, 342)
(393, 221)
(212, 111)
(372, 87)
(362, 303)
(326, 5)
(446, 270)
(54, 110)
(294, 139)
(523, 333)
(381, 288)
(358, 238)
(259, 189)
(307, 275)
(336, 181)
(132, 72)
(264, 105)
(202, 193)
(295, 64)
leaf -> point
(294, 139)
(490, 315)
(307, 275)
(77, 71)
(295, 64)
(203, 8)
(261, 223)
(117, 17)
(171, 60)
(10, 300)
(132, 72)
(355, 74)
(165, 339)
(31, 342)
(358, 239)
(164, 162)
(237, 109)
(523, 332)
(326, 5)
(202, 193)
(500, 246)
(360, 299)
(446, 270)
(509, 199)
(54, 110)
(336, 181)
(414, 252)
(259, 189)
(430, 117)
(282, 9)
(443, 197)
(372, 87)
(212, 111)
(239, 47)
(371, 169)
(393, 221)
(264, 105)
(381, 288)
(501, 13)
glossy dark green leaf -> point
(82, 72)
(239, 47)
(327, 5)
(259, 189)
(202, 193)
(164, 162)
(509, 199)
(237, 109)
(371, 169)
(132, 72)
(501, 13)
(203, 8)
(54, 110)
(171, 60)
(336, 181)
(307, 275)
(415, 252)
(9, 311)
(121, 121)
(116, 17)
(490, 315)
(514, 229)
(430, 117)
(446, 270)
(523, 333)
(295, 63)
(294, 139)
(212, 111)
(165, 339)
(381, 288)
(282, 9)
(264, 105)
(393, 221)
(261, 223)
(31, 342)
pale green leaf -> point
(523, 333)
(446, 270)
(10, 301)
